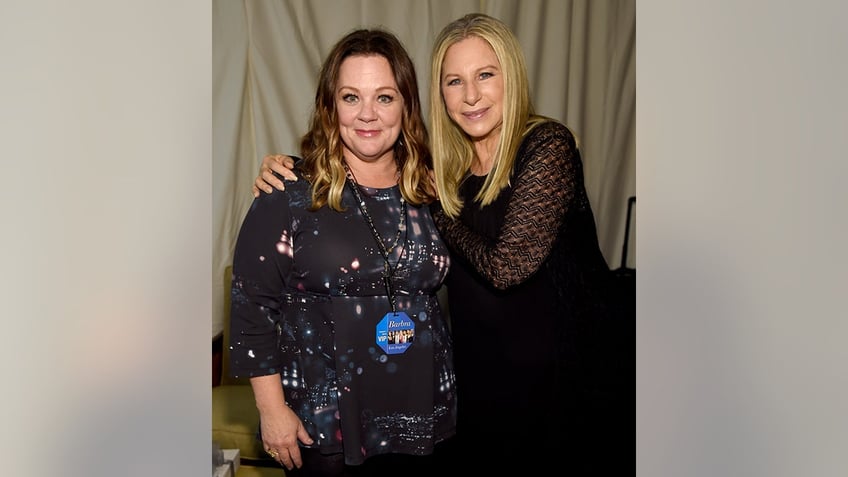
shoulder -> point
(549, 130)
(550, 142)
(291, 195)
(298, 171)
(295, 193)
(270, 205)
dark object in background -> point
(607, 397)
(622, 419)
(624, 278)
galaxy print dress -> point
(309, 302)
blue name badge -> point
(395, 332)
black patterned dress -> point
(309, 302)
(527, 295)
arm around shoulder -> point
(267, 181)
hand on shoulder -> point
(266, 181)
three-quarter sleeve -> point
(262, 255)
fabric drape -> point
(581, 59)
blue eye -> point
(349, 98)
(385, 98)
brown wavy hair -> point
(321, 147)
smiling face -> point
(370, 108)
(473, 88)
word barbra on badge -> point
(395, 332)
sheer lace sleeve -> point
(544, 185)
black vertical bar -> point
(630, 202)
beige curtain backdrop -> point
(581, 57)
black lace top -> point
(528, 275)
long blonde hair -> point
(321, 147)
(452, 149)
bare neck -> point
(484, 157)
(380, 174)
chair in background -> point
(235, 419)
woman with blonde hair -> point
(528, 289)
